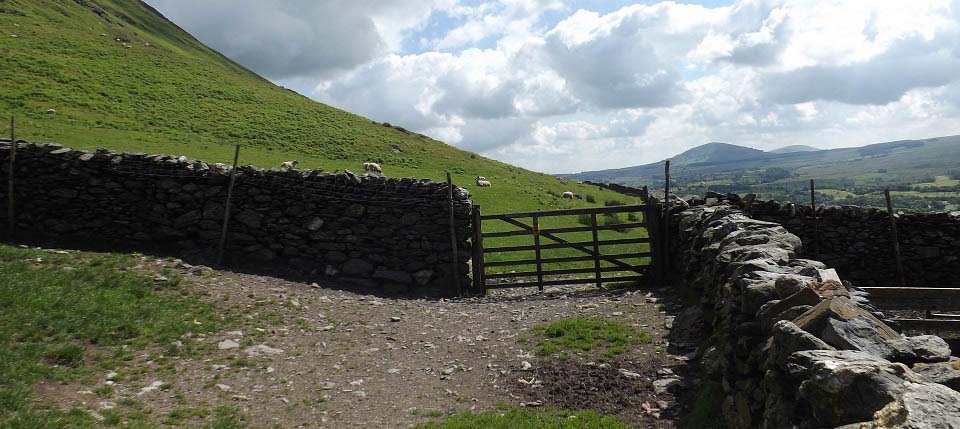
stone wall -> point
(793, 345)
(857, 242)
(378, 232)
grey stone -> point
(840, 308)
(315, 224)
(768, 315)
(945, 373)
(423, 277)
(393, 276)
(919, 349)
(689, 327)
(666, 385)
(787, 339)
(788, 285)
(357, 266)
(858, 333)
(249, 218)
(921, 406)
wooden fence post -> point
(816, 220)
(11, 213)
(666, 222)
(895, 237)
(453, 236)
(537, 252)
(479, 283)
(596, 250)
(226, 209)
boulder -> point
(859, 333)
(689, 327)
(922, 348)
(921, 406)
(789, 285)
(845, 387)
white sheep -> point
(483, 182)
(372, 167)
(568, 195)
(289, 165)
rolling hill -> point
(794, 148)
(905, 161)
(921, 172)
(121, 76)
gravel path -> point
(305, 356)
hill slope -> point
(123, 77)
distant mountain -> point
(905, 161)
(716, 152)
(794, 148)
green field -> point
(121, 77)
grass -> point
(595, 336)
(706, 413)
(61, 316)
(168, 93)
(527, 419)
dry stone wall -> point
(379, 232)
(793, 344)
(857, 241)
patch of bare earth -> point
(307, 356)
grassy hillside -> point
(121, 76)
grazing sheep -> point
(289, 165)
(568, 195)
(51, 111)
(483, 182)
(372, 167)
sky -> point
(564, 86)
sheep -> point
(289, 165)
(372, 167)
(568, 195)
(51, 111)
(483, 182)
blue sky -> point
(564, 86)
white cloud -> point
(550, 86)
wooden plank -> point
(577, 245)
(935, 293)
(538, 256)
(561, 272)
(598, 210)
(596, 251)
(563, 259)
(564, 282)
(930, 325)
(612, 227)
(908, 298)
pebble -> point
(153, 386)
(525, 366)
(223, 387)
(629, 374)
(261, 350)
(228, 344)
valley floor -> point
(302, 355)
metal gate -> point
(604, 248)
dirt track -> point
(307, 356)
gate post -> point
(652, 217)
(479, 283)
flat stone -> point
(830, 288)
(228, 344)
(393, 276)
(665, 385)
(840, 308)
(769, 314)
(261, 350)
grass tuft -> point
(527, 419)
(579, 335)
